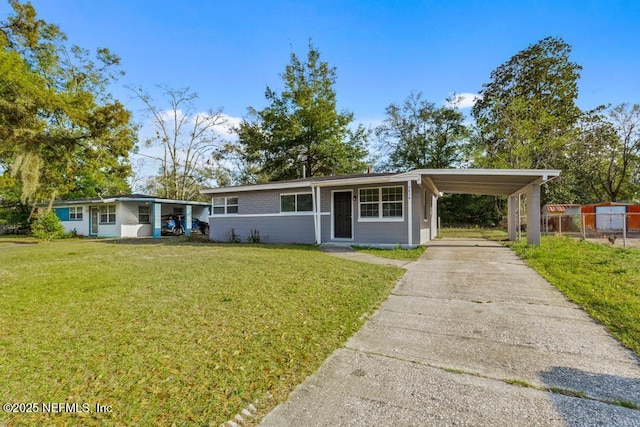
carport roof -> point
(496, 182)
(466, 181)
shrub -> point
(232, 237)
(47, 227)
(198, 237)
(254, 236)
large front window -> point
(108, 214)
(384, 203)
(299, 202)
(225, 205)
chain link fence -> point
(616, 228)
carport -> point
(494, 182)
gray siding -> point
(259, 202)
(369, 232)
(384, 233)
(416, 212)
(276, 228)
(273, 229)
(263, 202)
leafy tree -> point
(420, 135)
(61, 132)
(526, 114)
(301, 127)
(457, 210)
(605, 157)
(188, 140)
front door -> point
(94, 221)
(342, 215)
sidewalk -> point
(471, 336)
(348, 252)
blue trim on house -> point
(62, 213)
(187, 220)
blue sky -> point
(230, 51)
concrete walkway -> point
(471, 336)
(347, 252)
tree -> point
(301, 128)
(61, 132)
(188, 140)
(606, 155)
(419, 135)
(526, 114)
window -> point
(225, 205)
(144, 214)
(370, 203)
(426, 202)
(75, 213)
(381, 203)
(108, 214)
(299, 202)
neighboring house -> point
(133, 215)
(368, 209)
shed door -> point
(342, 215)
(610, 218)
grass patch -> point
(10, 240)
(602, 279)
(624, 404)
(172, 331)
(568, 392)
(396, 253)
(454, 370)
(519, 383)
(476, 232)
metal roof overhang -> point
(460, 181)
(496, 182)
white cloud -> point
(464, 100)
(230, 122)
(168, 115)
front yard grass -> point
(473, 232)
(603, 280)
(396, 253)
(168, 332)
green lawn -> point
(10, 240)
(396, 253)
(172, 331)
(476, 232)
(602, 279)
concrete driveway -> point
(471, 336)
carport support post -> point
(533, 214)
(156, 211)
(187, 220)
(511, 221)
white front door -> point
(95, 216)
